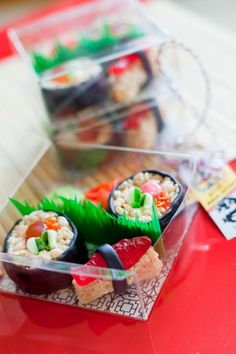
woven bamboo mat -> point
(22, 140)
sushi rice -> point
(122, 195)
(59, 240)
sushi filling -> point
(76, 72)
(128, 75)
(41, 233)
(136, 196)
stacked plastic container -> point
(97, 69)
(98, 66)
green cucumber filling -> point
(137, 199)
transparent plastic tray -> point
(138, 125)
(108, 163)
(91, 56)
(146, 124)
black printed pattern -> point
(136, 303)
(224, 215)
(228, 204)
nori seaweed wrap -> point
(50, 236)
(137, 194)
(82, 84)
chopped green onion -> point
(32, 245)
(52, 239)
(148, 201)
(41, 244)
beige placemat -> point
(22, 140)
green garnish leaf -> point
(23, 208)
(96, 225)
(85, 46)
(46, 204)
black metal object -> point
(113, 261)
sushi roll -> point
(49, 236)
(136, 255)
(142, 126)
(82, 85)
(129, 75)
(136, 196)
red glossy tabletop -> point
(195, 313)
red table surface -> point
(195, 312)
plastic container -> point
(137, 125)
(108, 163)
(89, 55)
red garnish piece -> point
(63, 79)
(100, 193)
(129, 251)
(120, 66)
(135, 119)
(52, 224)
(152, 187)
(35, 230)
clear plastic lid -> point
(101, 33)
(136, 125)
(146, 123)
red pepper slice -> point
(120, 66)
(100, 193)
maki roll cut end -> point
(49, 236)
(73, 86)
(138, 194)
